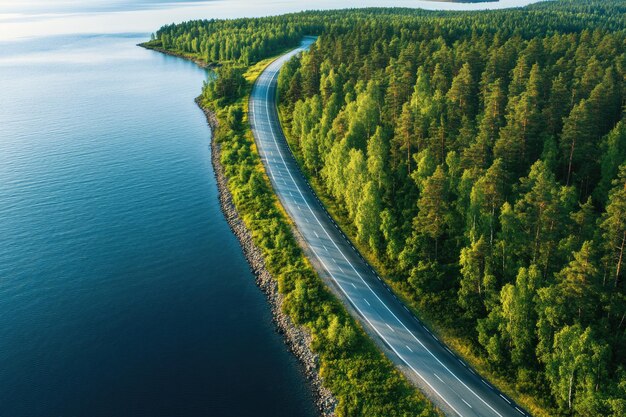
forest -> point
(480, 159)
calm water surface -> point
(43, 17)
(122, 290)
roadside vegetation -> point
(361, 378)
(477, 159)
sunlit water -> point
(122, 290)
(42, 17)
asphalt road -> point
(453, 385)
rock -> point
(297, 338)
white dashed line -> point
(271, 78)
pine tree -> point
(613, 225)
(461, 93)
(518, 141)
(486, 199)
(478, 154)
(542, 213)
(578, 285)
(613, 155)
(433, 217)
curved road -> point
(453, 385)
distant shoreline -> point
(199, 62)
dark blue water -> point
(122, 290)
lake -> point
(122, 290)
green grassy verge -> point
(362, 379)
(448, 335)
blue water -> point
(122, 290)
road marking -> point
(325, 248)
(520, 411)
(505, 399)
(485, 382)
(448, 349)
(437, 376)
(466, 403)
(384, 339)
(375, 295)
(390, 328)
(353, 285)
(407, 346)
(316, 235)
(367, 302)
(406, 308)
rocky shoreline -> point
(298, 340)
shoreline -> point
(295, 337)
(199, 62)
